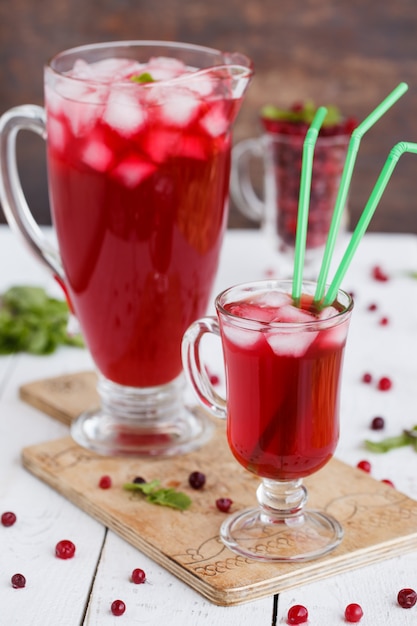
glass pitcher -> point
(138, 139)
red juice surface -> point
(138, 181)
(282, 391)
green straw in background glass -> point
(366, 216)
(353, 148)
(304, 200)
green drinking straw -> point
(353, 148)
(304, 200)
(366, 216)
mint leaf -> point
(142, 78)
(161, 495)
(406, 438)
(170, 497)
(303, 113)
(31, 321)
(387, 444)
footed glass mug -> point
(283, 367)
(138, 151)
(275, 206)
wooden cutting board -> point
(379, 522)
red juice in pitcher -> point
(283, 383)
(139, 175)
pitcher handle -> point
(241, 185)
(194, 369)
(16, 210)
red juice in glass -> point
(283, 383)
(138, 177)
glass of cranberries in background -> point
(280, 149)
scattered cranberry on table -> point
(367, 378)
(139, 480)
(377, 423)
(65, 549)
(8, 518)
(105, 482)
(384, 321)
(384, 383)
(18, 581)
(138, 576)
(372, 306)
(379, 274)
(365, 466)
(197, 480)
(387, 481)
(407, 598)
(118, 607)
(224, 504)
(353, 613)
(297, 614)
(213, 378)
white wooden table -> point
(81, 590)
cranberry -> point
(18, 581)
(297, 107)
(384, 321)
(8, 518)
(407, 598)
(138, 480)
(65, 549)
(372, 307)
(224, 504)
(297, 614)
(350, 124)
(214, 379)
(138, 576)
(118, 607)
(384, 383)
(197, 480)
(378, 423)
(353, 613)
(367, 378)
(379, 274)
(104, 482)
(387, 481)
(365, 466)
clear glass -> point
(270, 196)
(283, 381)
(138, 139)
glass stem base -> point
(142, 422)
(281, 528)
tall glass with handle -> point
(278, 154)
(283, 363)
(138, 138)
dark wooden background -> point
(348, 52)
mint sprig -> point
(304, 113)
(407, 437)
(161, 495)
(145, 77)
(31, 321)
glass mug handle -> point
(241, 183)
(194, 368)
(16, 210)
